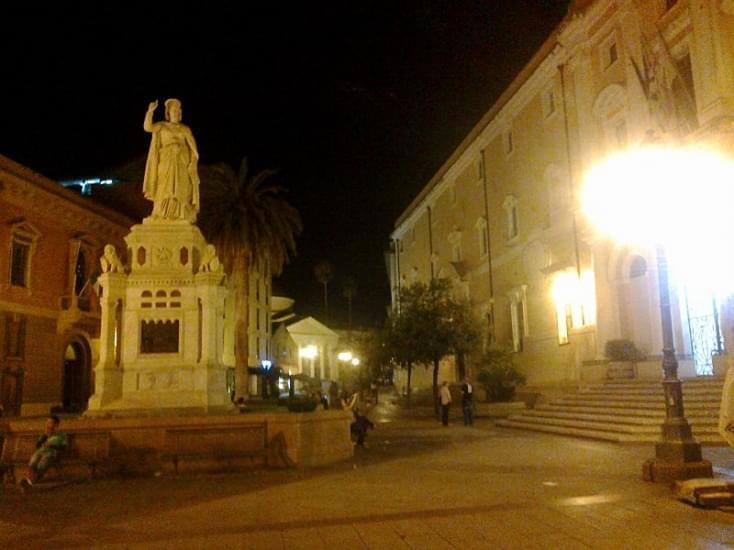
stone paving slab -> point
(417, 485)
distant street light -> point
(355, 362)
(648, 197)
(308, 352)
(345, 356)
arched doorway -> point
(635, 305)
(76, 389)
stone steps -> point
(626, 411)
(615, 437)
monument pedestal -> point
(163, 325)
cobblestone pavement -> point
(417, 485)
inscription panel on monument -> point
(159, 336)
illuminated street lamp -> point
(308, 352)
(355, 361)
(651, 196)
(345, 356)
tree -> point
(349, 291)
(324, 272)
(431, 325)
(249, 222)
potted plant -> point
(499, 375)
(623, 356)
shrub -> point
(302, 403)
(623, 350)
(499, 375)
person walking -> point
(467, 402)
(444, 395)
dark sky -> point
(357, 105)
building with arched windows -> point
(501, 218)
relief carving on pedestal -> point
(163, 256)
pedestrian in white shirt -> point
(444, 396)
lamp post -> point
(646, 197)
(677, 454)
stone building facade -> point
(501, 217)
(51, 240)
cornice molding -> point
(31, 197)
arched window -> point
(638, 267)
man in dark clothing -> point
(360, 426)
(467, 402)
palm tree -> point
(249, 222)
(324, 272)
(349, 291)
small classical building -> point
(501, 218)
(51, 240)
(307, 347)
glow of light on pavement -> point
(590, 500)
(678, 198)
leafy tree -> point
(249, 222)
(431, 325)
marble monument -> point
(163, 311)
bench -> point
(85, 448)
(215, 442)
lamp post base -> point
(663, 471)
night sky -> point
(357, 105)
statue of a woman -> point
(171, 177)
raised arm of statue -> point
(148, 125)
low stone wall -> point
(138, 443)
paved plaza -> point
(417, 485)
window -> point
(508, 143)
(620, 133)
(513, 222)
(613, 55)
(549, 103)
(563, 314)
(19, 264)
(14, 336)
(518, 317)
(482, 236)
(23, 239)
(609, 52)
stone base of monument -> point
(709, 493)
(166, 443)
(661, 471)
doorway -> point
(704, 329)
(76, 381)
